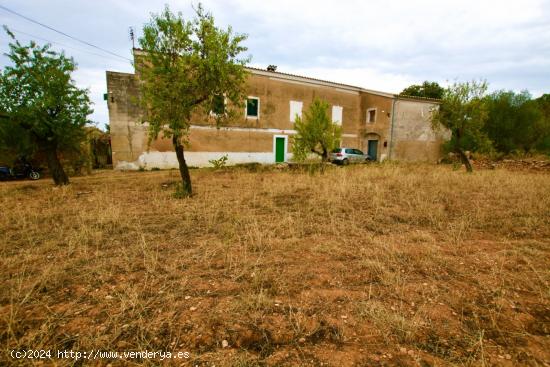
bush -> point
(219, 163)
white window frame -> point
(246, 108)
(296, 103)
(375, 115)
(275, 147)
(335, 121)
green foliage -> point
(315, 132)
(219, 163)
(426, 90)
(46, 110)
(14, 141)
(100, 147)
(515, 121)
(186, 67)
(464, 112)
(543, 103)
(181, 192)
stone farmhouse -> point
(385, 125)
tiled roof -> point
(417, 97)
(306, 77)
(359, 89)
(266, 72)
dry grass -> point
(374, 265)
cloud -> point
(385, 45)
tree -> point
(543, 128)
(514, 121)
(315, 133)
(463, 111)
(187, 66)
(426, 90)
(44, 105)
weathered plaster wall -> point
(380, 128)
(253, 136)
(252, 139)
(128, 137)
(413, 136)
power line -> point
(32, 36)
(62, 33)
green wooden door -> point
(373, 149)
(279, 150)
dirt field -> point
(380, 265)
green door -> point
(373, 149)
(279, 150)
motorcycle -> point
(21, 171)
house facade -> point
(386, 126)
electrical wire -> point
(62, 33)
(61, 44)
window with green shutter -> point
(253, 107)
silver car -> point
(348, 155)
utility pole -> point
(132, 37)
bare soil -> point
(376, 265)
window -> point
(337, 115)
(218, 105)
(253, 107)
(371, 115)
(349, 151)
(295, 109)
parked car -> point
(348, 155)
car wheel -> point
(33, 175)
(345, 162)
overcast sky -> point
(383, 45)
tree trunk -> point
(465, 160)
(55, 167)
(184, 170)
(462, 155)
(324, 157)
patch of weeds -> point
(169, 184)
(260, 301)
(314, 168)
(251, 167)
(219, 163)
(155, 169)
(141, 169)
(27, 188)
(434, 345)
(180, 193)
(247, 361)
(327, 332)
(253, 337)
(390, 323)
